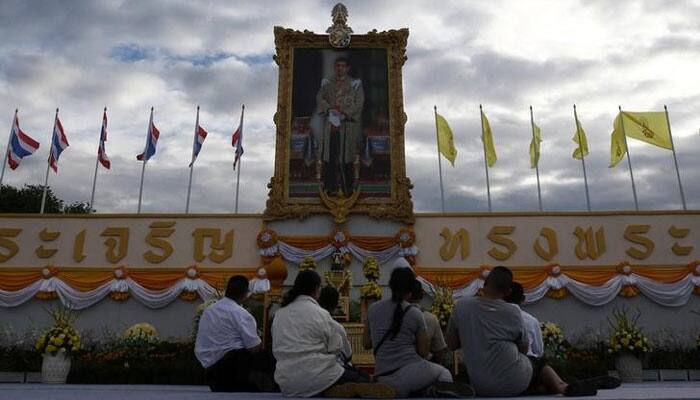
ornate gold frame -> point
(399, 206)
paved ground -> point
(641, 391)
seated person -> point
(328, 300)
(494, 340)
(306, 348)
(228, 346)
(396, 332)
(436, 340)
(531, 324)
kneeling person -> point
(228, 345)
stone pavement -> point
(638, 391)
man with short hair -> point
(495, 343)
(530, 323)
(228, 345)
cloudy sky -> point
(173, 55)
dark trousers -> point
(338, 173)
(242, 371)
(351, 375)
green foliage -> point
(28, 200)
(164, 363)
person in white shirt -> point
(228, 345)
(328, 300)
(530, 324)
(306, 347)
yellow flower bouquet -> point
(626, 335)
(141, 332)
(553, 339)
(443, 304)
(370, 268)
(307, 263)
(371, 290)
(62, 337)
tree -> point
(28, 200)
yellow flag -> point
(446, 144)
(535, 146)
(650, 127)
(618, 146)
(580, 139)
(487, 139)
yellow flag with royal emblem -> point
(580, 139)
(446, 144)
(535, 145)
(487, 139)
(650, 127)
(618, 146)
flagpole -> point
(675, 160)
(143, 167)
(486, 165)
(240, 159)
(437, 143)
(194, 142)
(97, 161)
(629, 160)
(46, 179)
(537, 160)
(7, 150)
(583, 161)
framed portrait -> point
(340, 127)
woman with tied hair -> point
(307, 347)
(396, 332)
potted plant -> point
(370, 291)
(56, 346)
(628, 344)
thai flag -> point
(199, 137)
(151, 141)
(237, 142)
(101, 153)
(21, 145)
(59, 142)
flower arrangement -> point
(626, 335)
(443, 304)
(371, 290)
(553, 338)
(141, 333)
(370, 268)
(62, 337)
(307, 263)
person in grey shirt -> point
(396, 332)
(494, 345)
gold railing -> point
(360, 356)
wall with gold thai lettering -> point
(571, 239)
(132, 240)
